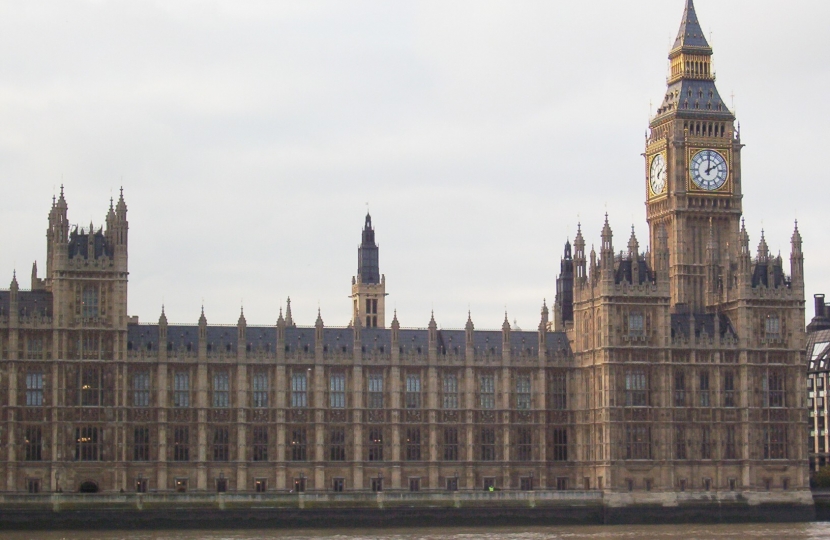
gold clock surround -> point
(726, 153)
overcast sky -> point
(249, 137)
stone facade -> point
(674, 370)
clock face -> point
(709, 170)
(657, 174)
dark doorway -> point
(88, 487)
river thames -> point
(794, 531)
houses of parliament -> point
(667, 369)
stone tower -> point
(87, 276)
(369, 286)
(693, 166)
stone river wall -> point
(220, 510)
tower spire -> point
(369, 285)
(690, 34)
(368, 270)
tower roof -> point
(690, 34)
(368, 267)
(691, 90)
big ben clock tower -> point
(693, 168)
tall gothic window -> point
(728, 389)
(260, 443)
(635, 388)
(298, 444)
(488, 444)
(141, 389)
(487, 391)
(559, 392)
(680, 442)
(181, 443)
(450, 444)
(773, 389)
(89, 308)
(772, 326)
(413, 391)
(34, 348)
(33, 443)
(705, 442)
(637, 441)
(90, 384)
(524, 444)
(775, 441)
(87, 444)
(221, 444)
(260, 387)
(34, 389)
(679, 389)
(221, 390)
(299, 390)
(375, 444)
(181, 389)
(523, 392)
(337, 444)
(635, 324)
(413, 444)
(337, 391)
(560, 444)
(375, 391)
(450, 395)
(141, 444)
(704, 388)
(730, 446)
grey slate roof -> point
(338, 339)
(299, 339)
(680, 324)
(79, 245)
(143, 336)
(452, 341)
(760, 275)
(690, 33)
(373, 340)
(221, 338)
(625, 270)
(682, 95)
(29, 303)
(414, 340)
(180, 336)
(261, 338)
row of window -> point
(772, 390)
(638, 443)
(636, 390)
(90, 390)
(88, 444)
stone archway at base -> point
(88, 487)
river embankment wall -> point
(326, 510)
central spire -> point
(690, 34)
(368, 268)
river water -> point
(795, 531)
